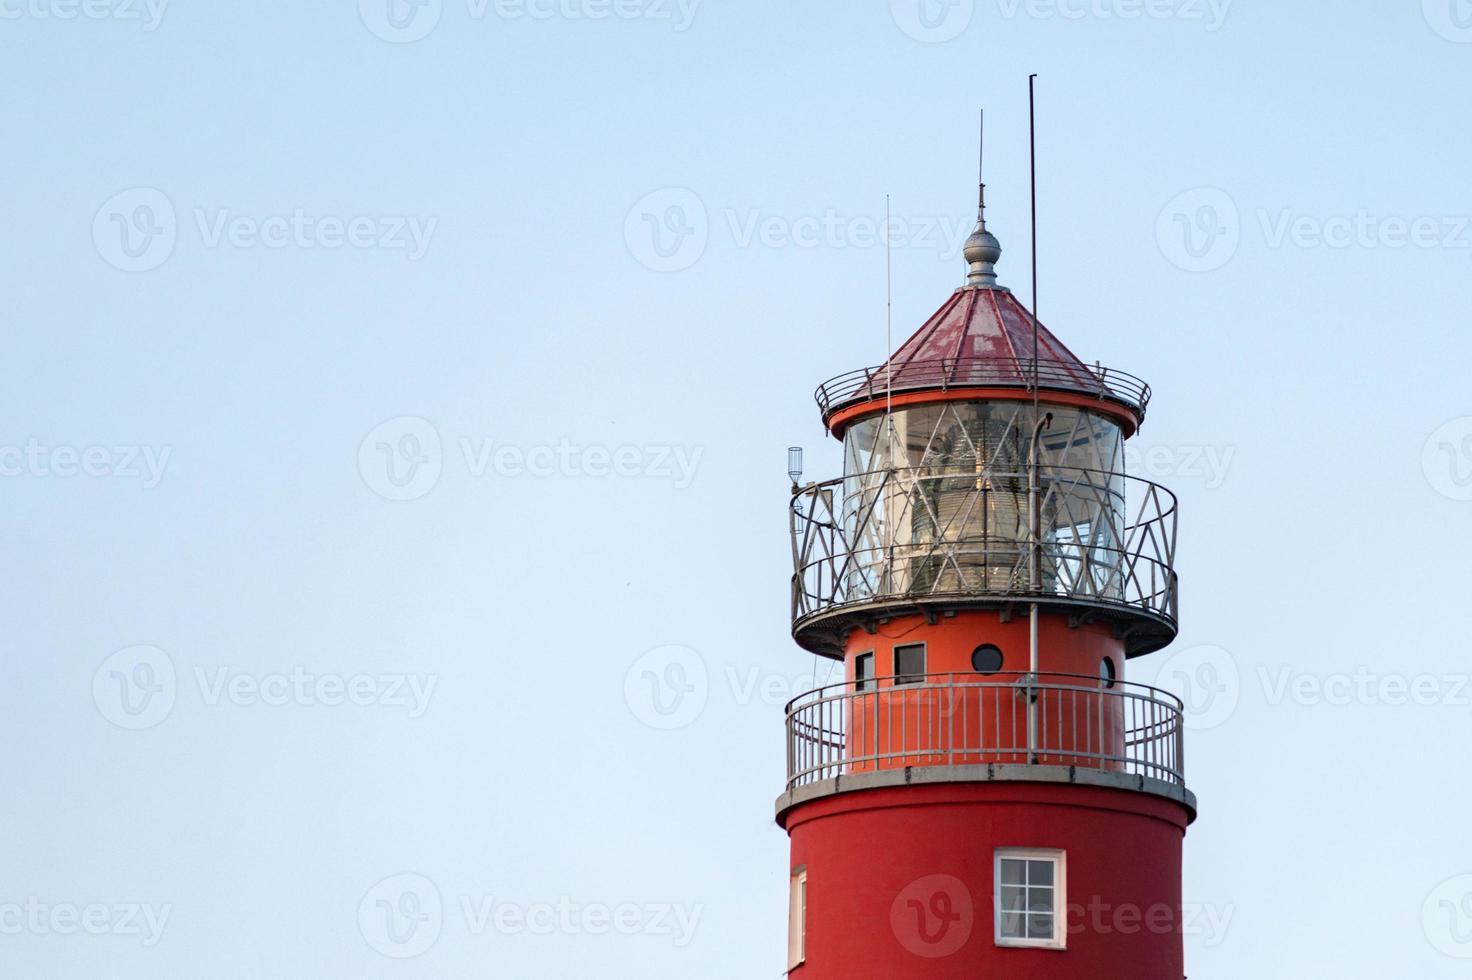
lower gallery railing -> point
(973, 719)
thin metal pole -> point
(1034, 517)
(888, 313)
(1032, 148)
(981, 166)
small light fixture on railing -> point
(794, 464)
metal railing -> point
(923, 534)
(1048, 719)
(983, 372)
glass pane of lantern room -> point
(1083, 504)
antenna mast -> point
(888, 314)
(1034, 510)
(1032, 150)
(981, 164)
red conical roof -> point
(982, 337)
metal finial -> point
(982, 248)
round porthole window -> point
(1107, 671)
(986, 659)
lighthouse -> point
(985, 792)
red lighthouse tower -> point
(985, 793)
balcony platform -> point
(951, 728)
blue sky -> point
(392, 389)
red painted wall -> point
(900, 881)
(896, 727)
(949, 642)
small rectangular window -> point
(863, 671)
(797, 919)
(1030, 898)
(909, 664)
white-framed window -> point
(797, 918)
(1031, 898)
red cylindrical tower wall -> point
(959, 716)
(900, 882)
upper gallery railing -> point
(983, 372)
(932, 533)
